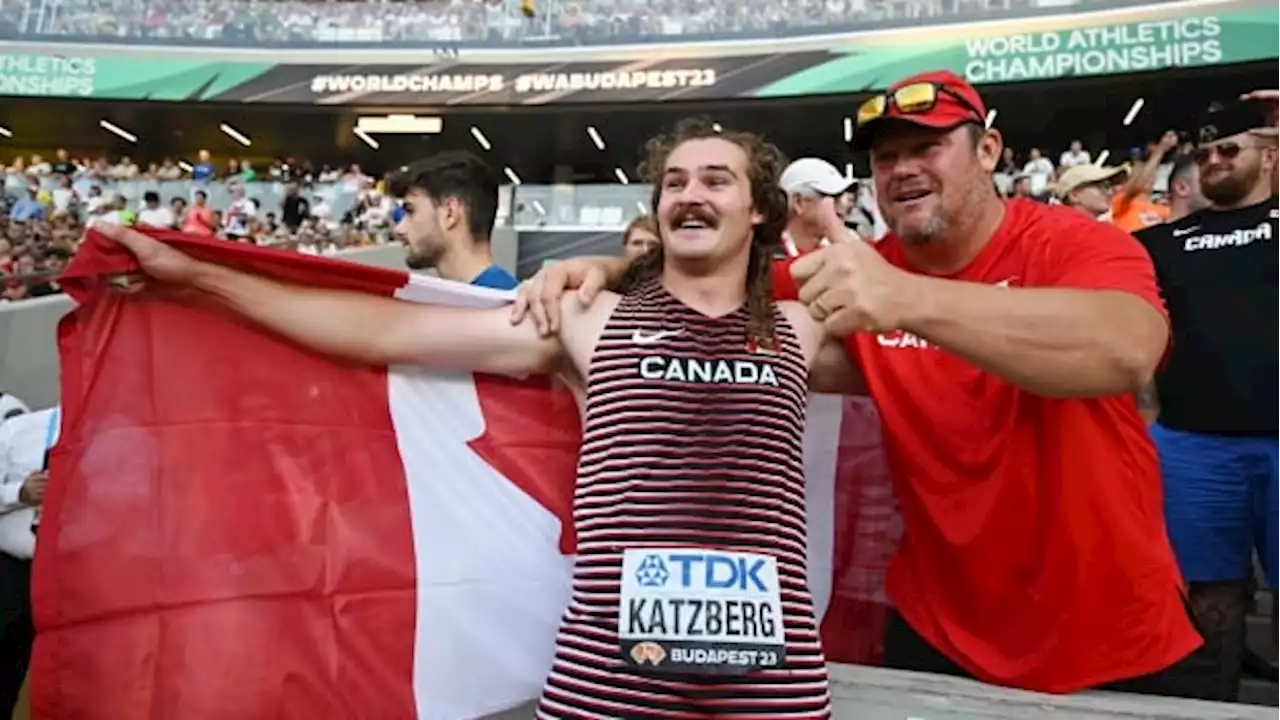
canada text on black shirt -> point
(1217, 270)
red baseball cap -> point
(957, 103)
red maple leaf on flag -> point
(532, 435)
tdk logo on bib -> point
(703, 571)
(1235, 238)
(700, 610)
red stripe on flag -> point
(235, 543)
(540, 458)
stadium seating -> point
(491, 23)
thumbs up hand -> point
(848, 287)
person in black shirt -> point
(1216, 433)
(294, 209)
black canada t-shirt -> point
(1217, 270)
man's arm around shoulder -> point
(1099, 330)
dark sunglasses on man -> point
(1228, 150)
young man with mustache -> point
(690, 592)
(1034, 551)
(1216, 433)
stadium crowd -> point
(321, 209)
(487, 22)
(46, 205)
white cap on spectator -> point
(811, 176)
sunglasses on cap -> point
(910, 99)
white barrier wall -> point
(864, 693)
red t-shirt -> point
(1034, 551)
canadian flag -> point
(240, 528)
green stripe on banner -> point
(1233, 36)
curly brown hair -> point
(765, 163)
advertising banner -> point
(1174, 35)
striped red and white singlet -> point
(681, 451)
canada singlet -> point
(690, 595)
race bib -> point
(699, 611)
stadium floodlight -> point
(1133, 111)
(1102, 157)
(511, 175)
(594, 134)
(117, 131)
(991, 117)
(848, 129)
(480, 138)
(368, 139)
(235, 134)
(6, 131)
(401, 124)
(622, 176)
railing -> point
(522, 207)
(254, 23)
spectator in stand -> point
(65, 198)
(438, 24)
(640, 237)
(1185, 196)
(1088, 188)
(94, 201)
(55, 261)
(1021, 186)
(1217, 426)
(1132, 208)
(1008, 163)
(294, 208)
(199, 218)
(63, 165)
(154, 214)
(204, 169)
(239, 215)
(812, 186)
(28, 208)
(24, 474)
(169, 170)
(1039, 169)
(1074, 156)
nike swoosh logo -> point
(1005, 283)
(640, 337)
(1188, 231)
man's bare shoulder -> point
(581, 325)
(572, 309)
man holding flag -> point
(689, 590)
